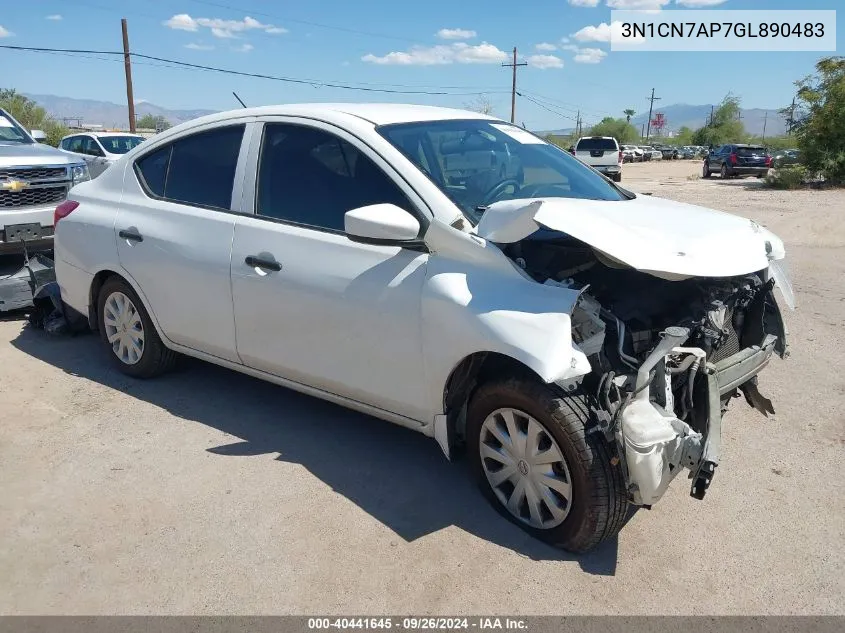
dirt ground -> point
(210, 492)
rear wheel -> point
(723, 173)
(617, 177)
(127, 329)
(538, 466)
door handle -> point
(132, 236)
(253, 261)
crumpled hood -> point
(34, 154)
(668, 239)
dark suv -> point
(732, 161)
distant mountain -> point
(695, 116)
(109, 114)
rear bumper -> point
(608, 169)
(748, 171)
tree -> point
(152, 122)
(725, 125)
(628, 114)
(619, 129)
(821, 132)
(480, 104)
(31, 115)
(685, 136)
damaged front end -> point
(668, 351)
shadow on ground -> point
(398, 476)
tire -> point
(598, 504)
(723, 173)
(705, 172)
(617, 178)
(148, 357)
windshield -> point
(119, 144)
(11, 132)
(479, 162)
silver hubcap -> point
(525, 468)
(124, 329)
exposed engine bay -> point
(667, 356)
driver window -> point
(310, 177)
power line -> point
(545, 107)
(228, 71)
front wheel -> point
(127, 329)
(705, 172)
(536, 463)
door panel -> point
(182, 260)
(339, 315)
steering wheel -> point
(498, 189)
(540, 190)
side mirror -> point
(39, 135)
(381, 223)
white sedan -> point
(100, 149)
(580, 341)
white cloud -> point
(604, 32)
(590, 56)
(637, 4)
(565, 40)
(181, 22)
(583, 3)
(545, 61)
(5, 32)
(457, 53)
(194, 46)
(456, 34)
(243, 48)
(545, 46)
(570, 47)
(55, 17)
(224, 29)
(700, 3)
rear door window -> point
(198, 169)
(596, 144)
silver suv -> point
(34, 179)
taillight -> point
(64, 210)
(768, 161)
(733, 159)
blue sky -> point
(457, 44)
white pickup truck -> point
(602, 153)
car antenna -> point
(238, 98)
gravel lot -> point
(210, 492)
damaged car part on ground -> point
(580, 341)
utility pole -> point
(513, 65)
(765, 120)
(790, 124)
(651, 99)
(578, 124)
(127, 64)
(642, 131)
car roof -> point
(375, 113)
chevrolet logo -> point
(14, 185)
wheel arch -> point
(97, 283)
(471, 372)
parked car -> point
(667, 152)
(602, 153)
(652, 152)
(687, 152)
(34, 178)
(634, 153)
(100, 149)
(735, 160)
(786, 157)
(580, 340)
